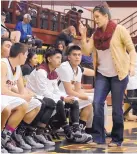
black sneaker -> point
(76, 130)
(68, 133)
(89, 137)
(31, 140)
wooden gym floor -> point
(129, 144)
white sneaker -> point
(31, 141)
(43, 140)
(20, 141)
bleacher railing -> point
(130, 23)
(45, 18)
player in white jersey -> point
(11, 76)
(44, 81)
(70, 75)
(41, 120)
(10, 108)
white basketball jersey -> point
(11, 78)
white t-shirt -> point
(106, 66)
(132, 84)
(67, 74)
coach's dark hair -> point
(103, 10)
(4, 40)
(18, 48)
(51, 52)
(72, 48)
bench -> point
(130, 101)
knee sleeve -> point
(60, 104)
(45, 113)
(50, 103)
(60, 109)
(75, 104)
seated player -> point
(70, 75)
(43, 81)
(13, 110)
(48, 106)
(11, 77)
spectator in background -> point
(54, 20)
(86, 62)
(73, 15)
(61, 47)
(24, 27)
(30, 64)
(80, 13)
(73, 10)
(6, 33)
(21, 9)
(67, 35)
(26, 32)
(19, 16)
(44, 19)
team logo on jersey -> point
(11, 83)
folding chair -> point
(130, 101)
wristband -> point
(62, 98)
